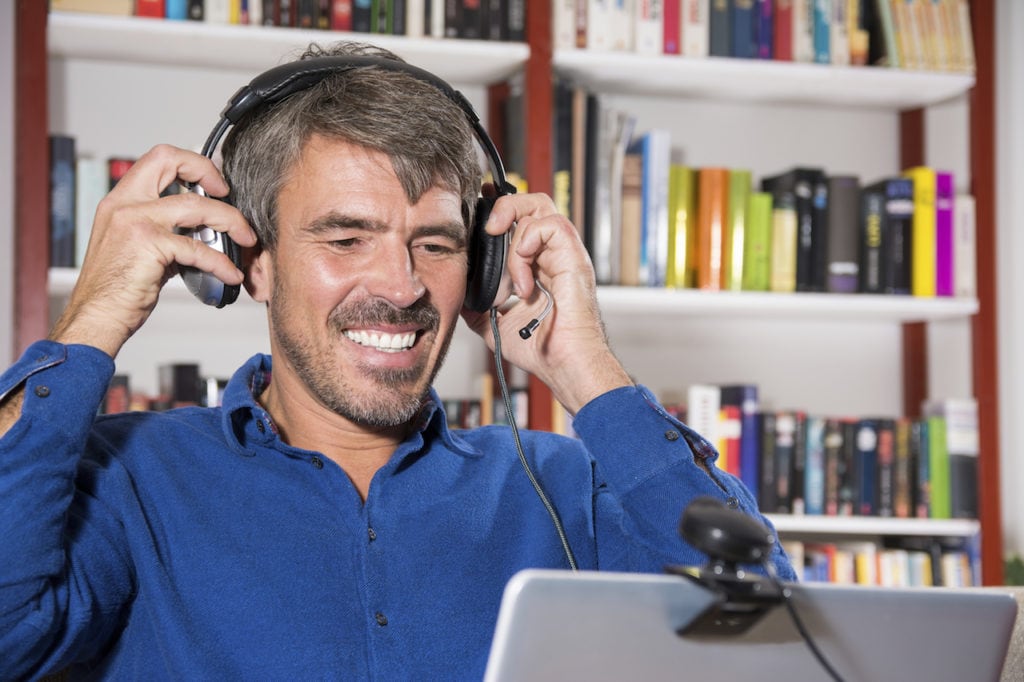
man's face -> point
(364, 289)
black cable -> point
(787, 599)
(510, 415)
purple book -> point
(944, 234)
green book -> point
(735, 229)
(682, 226)
(938, 463)
(757, 246)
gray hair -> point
(424, 133)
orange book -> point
(712, 213)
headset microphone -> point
(527, 331)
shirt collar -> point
(246, 424)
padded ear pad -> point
(486, 261)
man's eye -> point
(345, 243)
(438, 248)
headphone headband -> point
(280, 82)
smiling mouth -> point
(382, 341)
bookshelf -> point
(228, 53)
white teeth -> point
(388, 343)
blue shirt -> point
(196, 544)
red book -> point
(782, 30)
(341, 15)
(672, 19)
(149, 8)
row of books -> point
(930, 35)
(796, 462)
(899, 562)
(470, 19)
(650, 220)
(180, 384)
(77, 184)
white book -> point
(803, 31)
(839, 36)
(621, 15)
(657, 159)
(695, 28)
(599, 24)
(91, 184)
(563, 23)
(217, 11)
(415, 21)
(703, 402)
(965, 255)
(648, 27)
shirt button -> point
(732, 503)
(671, 434)
(260, 426)
(381, 619)
(318, 463)
(371, 533)
(42, 391)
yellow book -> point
(922, 264)
(682, 226)
(782, 273)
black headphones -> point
(486, 252)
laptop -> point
(596, 626)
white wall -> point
(1010, 213)
(7, 183)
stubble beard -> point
(373, 396)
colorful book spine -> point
(712, 209)
(945, 263)
(735, 229)
(757, 246)
(923, 231)
(682, 240)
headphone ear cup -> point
(486, 260)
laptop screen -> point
(558, 625)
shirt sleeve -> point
(52, 606)
(652, 466)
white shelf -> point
(256, 48)
(760, 81)
(872, 525)
(62, 280)
(643, 301)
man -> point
(324, 522)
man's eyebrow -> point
(455, 231)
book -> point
(91, 186)
(843, 231)
(866, 463)
(757, 246)
(123, 8)
(782, 31)
(728, 444)
(712, 211)
(821, 31)
(745, 398)
(784, 232)
(964, 247)
(767, 489)
(886, 248)
(959, 417)
(839, 33)
(903, 469)
(703, 404)
(655, 149)
(921, 469)
(682, 230)
(885, 452)
(734, 242)
(832, 453)
(787, 427)
(945, 263)
(743, 21)
(814, 467)
(883, 49)
(631, 219)
(648, 27)
(695, 18)
(803, 30)
(938, 468)
(672, 27)
(923, 231)
(764, 26)
(150, 8)
(62, 201)
(719, 28)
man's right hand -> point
(134, 249)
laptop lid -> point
(558, 625)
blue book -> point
(176, 9)
(744, 27)
(822, 23)
(866, 461)
(745, 396)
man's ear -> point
(257, 266)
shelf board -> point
(256, 48)
(62, 281)
(873, 525)
(761, 81)
(646, 301)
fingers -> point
(161, 166)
